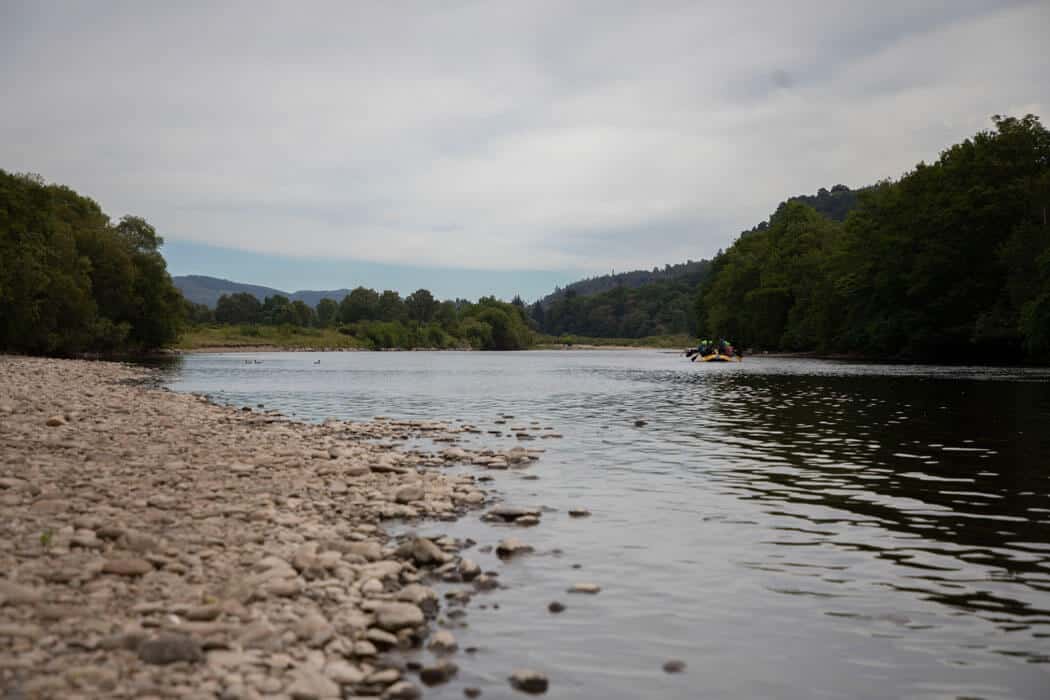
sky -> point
(491, 147)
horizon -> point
(491, 149)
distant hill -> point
(201, 289)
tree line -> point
(73, 281)
(385, 320)
(949, 263)
(661, 302)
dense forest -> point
(73, 281)
(664, 307)
(949, 263)
(383, 320)
(660, 302)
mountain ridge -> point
(203, 289)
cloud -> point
(497, 135)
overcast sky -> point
(494, 147)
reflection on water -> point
(788, 527)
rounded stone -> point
(528, 681)
(169, 649)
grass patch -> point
(279, 336)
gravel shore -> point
(153, 544)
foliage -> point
(235, 336)
(659, 308)
(950, 263)
(72, 281)
(367, 319)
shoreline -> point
(155, 543)
(218, 349)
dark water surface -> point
(789, 528)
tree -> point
(238, 308)
(421, 306)
(71, 281)
(391, 307)
(359, 305)
(327, 312)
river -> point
(789, 528)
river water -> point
(790, 528)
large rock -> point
(314, 630)
(469, 569)
(511, 513)
(343, 673)
(12, 593)
(409, 493)
(402, 690)
(394, 616)
(426, 552)
(443, 642)
(310, 684)
(511, 546)
(441, 672)
(529, 681)
(127, 567)
(423, 596)
(380, 638)
(170, 648)
(369, 550)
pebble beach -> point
(156, 545)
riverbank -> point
(262, 338)
(155, 544)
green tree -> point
(360, 304)
(71, 281)
(327, 312)
(421, 306)
(391, 306)
(238, 308)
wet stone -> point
(440, 672)
(402, 690)
(443, 642)
(528, 681)
(384, 677)
(674, 666)
(510, 547)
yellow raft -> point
(718, 357)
